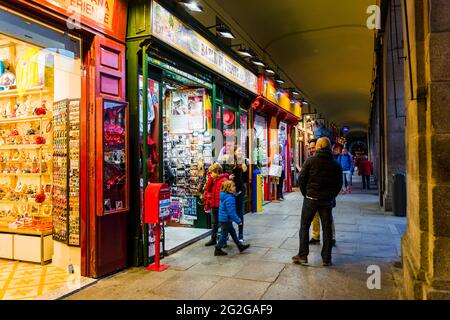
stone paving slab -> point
(187, 286)
(236, 289)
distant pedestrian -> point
(320, 183)
(347, 165)
(365, 171)
(212, 196)
(228, 215)
(278, 160)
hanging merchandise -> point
(187, 111)
(186, 151)
(27, 70)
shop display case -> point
(26, 164)
(114, 167)
(66, 164)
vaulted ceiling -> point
(323, 46)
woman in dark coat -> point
(238, 170)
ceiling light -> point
(270, 71)
(280, 81)
(305, 102)
(295, 92)
(245, 53)
(192, 5)
(258, 63)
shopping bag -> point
(275, 171)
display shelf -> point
(15, 93)
(23, 146)
(25, 202)
(23, 119)
(26, 231)
(25, 174)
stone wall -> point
(426, 242)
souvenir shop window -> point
(260, 151)
(39, 129)
(152, 130)
(115, 162)
(187, 148)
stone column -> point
(394, 109)
(426, 242)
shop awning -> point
(262, 104)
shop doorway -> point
(179, 152)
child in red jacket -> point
(212, 198)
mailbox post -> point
(156, 211)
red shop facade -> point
(276, 114)
(77, 75)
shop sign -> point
(98, 11)
(280, 97)
(172, 31)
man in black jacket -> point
(320, 184)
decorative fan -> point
(228, 118)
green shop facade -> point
(193, 86)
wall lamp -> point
(191, 5)
(258, 62)
(242, 51)
(279, 80)
(223, 31)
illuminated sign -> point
(172, 31)
(280, 97)
(99, 11)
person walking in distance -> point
(315, 239)
(346, 162)
(365, 170)
(228, 215)
(212, 192)
(320, 183)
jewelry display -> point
(114, 155)
(66, 146)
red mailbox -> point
(156, 210)
(156, 203)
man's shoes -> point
(314, 241)
(219, 252)
(327, 264)
(211, 242)
(300, 259)
(243, 247)
(333, 242)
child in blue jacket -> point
(228, 215)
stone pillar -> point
(394, 109)
(426, 242)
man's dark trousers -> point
(324, 208)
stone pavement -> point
(365, 236)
